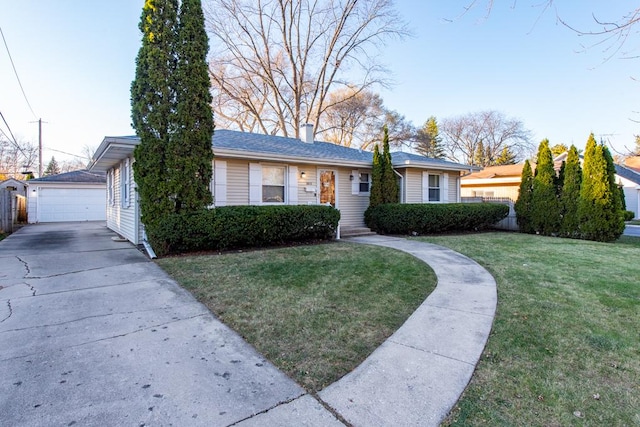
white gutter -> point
(275, 157)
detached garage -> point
(71, 196)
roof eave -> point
(272, 157)
(428, 165)
(111, 151)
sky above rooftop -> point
(76, 60)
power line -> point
(16, 73)
(64, 152)
(13, 138)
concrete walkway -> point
(93, 333)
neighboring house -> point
(632, 162)
(504, 182)
(71, 196)
(493, 181)
(256, 169)
(629, 179)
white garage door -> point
(71, 204)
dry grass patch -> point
(315, 311)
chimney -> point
(306, 133)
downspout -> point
(147, 245)
(401, 185)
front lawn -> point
(316, 312)
(565, 345)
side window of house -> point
(110, 187)
(365, 182)
(434, 188)
(273, 180)
(125, 183)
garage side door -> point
(71, 204)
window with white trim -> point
(110, 187)
(434, 188)
(273, 183)
(365, 182)
(125, 183)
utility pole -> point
(39, 148)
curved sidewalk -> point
(418, 374)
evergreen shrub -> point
(235, 227)
(395, 218)
(628, 215)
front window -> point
(365, 182)
(434, 188)
(273, 178)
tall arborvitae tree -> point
(390, 191)
(545, 207)
(171, 111)
(191, 155)
(375, 196)
(429, 141)
(618, 203)
(523, 204)
(570, 194)
(599, 208)
(153, 101)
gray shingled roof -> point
(627, 173)
(75, 176)
(293, 147)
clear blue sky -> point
(76, 60)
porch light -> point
(351, 177)
(303, 175)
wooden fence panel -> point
(6, 221)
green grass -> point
(565, 345)
(633, 222)
(316, 312)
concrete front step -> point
(355, 232)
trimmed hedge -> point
(397, 218)
(234, 227)
(628, 215)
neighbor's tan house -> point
(257, 169)
(504, 182)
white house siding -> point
(122, 219)
(307, 186)
(631, 195)
(351, 206)
(413, 185)
(454, 196)
(237, 182)
(502, 190)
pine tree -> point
(191, 155)
(570, 195)
(545, 206)
(479, 158)
(52, 167)
(390, 189)
(429, 140)
(599, 206)
(523, 204)
(153, 100)
(506, 157)
(375, 195)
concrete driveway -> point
(93, 333)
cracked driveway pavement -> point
(93, 333)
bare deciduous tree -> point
(15, 159)
(275, 62)
(357, 118)
(491, 131)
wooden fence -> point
(509, 223)
(6, 218)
